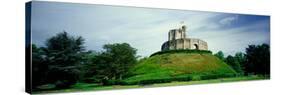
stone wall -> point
(177, 40)
(185, 43)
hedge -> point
(148, 81)
(181, 51)
(167, 80)
(216, 76)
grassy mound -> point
(171, 66)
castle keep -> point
(177, 40)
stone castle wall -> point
(185, 43)
(177, 40)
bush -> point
(181, 51)
(167, 80)
(196, 78)
(60, 84)
(129, 82)
(113, 82)
(91, 80)
(216, 76)
(183, 78)
(152, 81)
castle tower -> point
(177, 33)
(177, 39)
(184, 31)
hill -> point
(195, 66)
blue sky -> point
(146, 29)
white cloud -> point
(237, 39)
(228, 20)
(143, 28)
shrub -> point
(216, 76)
(111, 82)
(181, 51)
(183, 78)
(166, 80)
(152, 81)
(195, 78)
(129, 82)
(91, 80)
(60, 84)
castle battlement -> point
(177, 39)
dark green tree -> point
(220, 55)
(65, 55)
(258, 59)
(234, 63)
(39, 66)
(241, 59)
(90, 68)
(115, 61)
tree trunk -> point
(120, 77)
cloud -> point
(234, 40)
(228, 20)
(143, 28)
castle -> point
(177, 40)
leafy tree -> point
(220, 55)
(39, 66)
(65, 58)
(234, 63)
(90, 68)
(123, 54)
(258, 59)
(115, 61)
(241, 59)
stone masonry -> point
(177, 40)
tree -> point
(65, 58)
(241, 59)
(90, 68)
(115, 61)
(220, 55)
(39, 67)
(123, 54)
(258, 59)
(234, 63)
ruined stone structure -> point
(177, 40)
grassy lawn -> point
(95, 87)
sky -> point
(146, 29)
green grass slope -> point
(178, 65)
